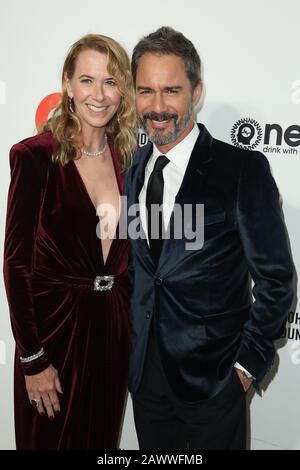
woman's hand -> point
(42, 391)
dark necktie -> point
(154, 195)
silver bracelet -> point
(24, 360)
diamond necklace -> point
(99, 152)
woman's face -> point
(94, 91)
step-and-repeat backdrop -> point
(252, 98)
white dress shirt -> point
(173, 174)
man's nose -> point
(158, 104)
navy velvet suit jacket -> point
(201, 300)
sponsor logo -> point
(246, 133)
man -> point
(198, 338)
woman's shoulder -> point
(33, 156)
(38, 146)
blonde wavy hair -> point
(66, 126)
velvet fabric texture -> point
(52, 255)
(199, 301)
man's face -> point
(164, 100)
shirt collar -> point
(180, 154)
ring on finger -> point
(36, 401)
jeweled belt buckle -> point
(101, 287)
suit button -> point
(159, 281)
(148, 315)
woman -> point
(67, 288)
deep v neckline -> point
(91, 204)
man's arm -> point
(264, 238)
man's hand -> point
(246, 383)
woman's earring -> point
(71, 104)
(118, 119)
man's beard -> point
(156, 135)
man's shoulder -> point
(228, 152)
(144, 150)
(139, 157)
(225, 147)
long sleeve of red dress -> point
(23, 207)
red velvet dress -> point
(52, 255)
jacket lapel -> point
(138, 175)
(189, 193)
(138, 172)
